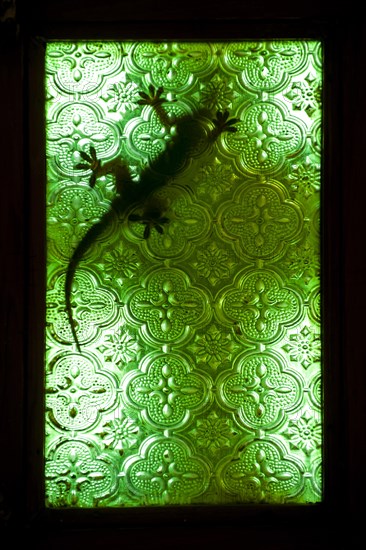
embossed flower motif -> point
(305, 433)
(168, 305)
(306, 95)
(77, 393)
(76, 126)
(305, 178)
(166, 474)
(213, 432)
(121, 262)
(213, 263)
(265, 65)
(262, 220)
(261, 476)
(120, 434)
(72, 212)
(77, 476)
(262, 392)
(93, 304)
(216, 94)
(303, 262)
(261, 305)
(266, 137)
(166, 393)
(215, 179)
(120, 347)
(172, 64)
(80, 67)
(150, 138)
(304, 347)
(213, 347)
(122, 96)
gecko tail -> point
(68, 291)
(75, 336)
(78, 254)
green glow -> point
(193, 375)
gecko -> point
(189, 134)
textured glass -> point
(183, 330)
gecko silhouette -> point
(189, 135)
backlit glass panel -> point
(183, 329)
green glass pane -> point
(183, 330)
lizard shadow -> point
(189, 141)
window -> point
(23, 214)
(183, 361)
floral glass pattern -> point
(183, 356)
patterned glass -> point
(183, 326)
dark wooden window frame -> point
(23, 510)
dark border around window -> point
(180, 513)
(25, 510)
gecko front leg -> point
(222, 123)
(92, 163)
(155, 99)
(151, 218)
